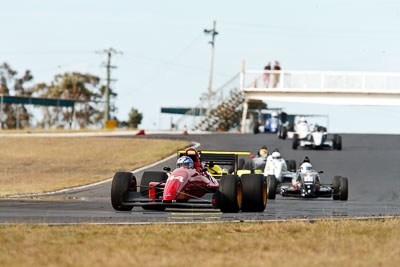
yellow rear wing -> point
(239, 153)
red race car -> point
(191, 185)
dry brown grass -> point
(38, 130)
(36, 164)
(324, 243)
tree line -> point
(85, 88)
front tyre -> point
(335, 187)
(230, 189)
(338, 142)
(122, 183)
(254, 192)
(271, 187)
(343, 188)
(295, 141)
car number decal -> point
(308, 179)
(179, 178)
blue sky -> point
(166, 54)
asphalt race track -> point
(371, 162)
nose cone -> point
(317, 138)
(175, 184)
(171, 190)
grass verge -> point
(323, 243)
(36, 164)
(51, 131)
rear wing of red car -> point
(225, 158)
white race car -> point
(278, 171)
(317, 139)
(301, 128)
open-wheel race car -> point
(306, 183)
(317, 139)
(191, 185)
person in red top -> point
(266, 76)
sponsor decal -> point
(179, 178)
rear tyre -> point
(248, 165)
(121, 184)
(271, 187)
(241, 164)
(284, 133)
(152, 176)
(254, 192)
(343, 188)
(230, 189)
(335, 187)
(256, 129)
(339, 142)
(292, 165)
(280, 132)
(295, 141)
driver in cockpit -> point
(185, 162)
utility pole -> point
(212, 32)
(110, 51)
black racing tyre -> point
(271, 187)
(241, 164)
(295, 141)
(284, 133)
(280, 131)
(122, 183)
(255, 129)
(339, 142)
(335, 187)
(230, 189)
(151, 176)
(291, 126)
(343, 188)
(254, 192)
(248, 165)
(292, 165)
(334, 141)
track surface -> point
(371, 162)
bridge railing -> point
(321, 80)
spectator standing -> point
(266, 76)
(277, 68)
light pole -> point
(212, 32)
(109, 53)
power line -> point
(109, 52)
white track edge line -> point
(310, 220)
(195, 145)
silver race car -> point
(306, 183)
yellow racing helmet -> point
(263, 153)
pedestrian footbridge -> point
(321, 87)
